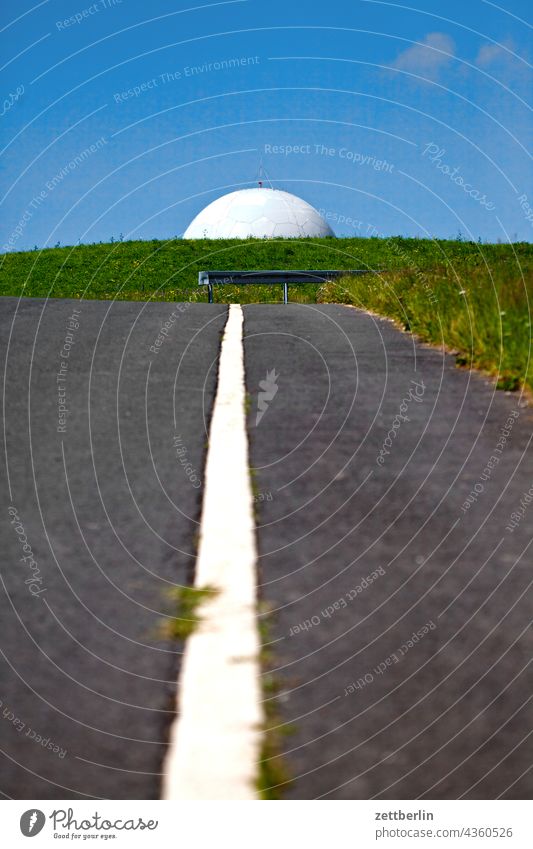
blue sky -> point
(127, 117)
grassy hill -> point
(472, 298)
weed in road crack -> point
(187, 601)
(273, 777)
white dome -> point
(257, 213)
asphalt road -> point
(395, 590)
(399, 601)
(109, 513)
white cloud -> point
(489, 53)
(427, 57)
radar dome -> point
(258, 213)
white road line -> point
(215, 741)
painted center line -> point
(215, 742)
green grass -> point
(472, 298)
(480, 313)
(273, 778)
(186, 602)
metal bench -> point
(225, 278)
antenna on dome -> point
(262, 175)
